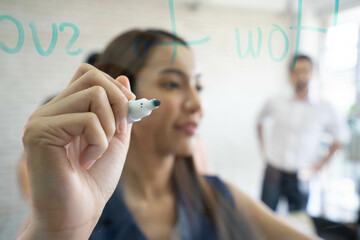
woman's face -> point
(170, 129)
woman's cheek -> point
(168, 109)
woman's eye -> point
(199, 88)
(172, 85)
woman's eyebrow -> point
(178, 72)
(175, 71)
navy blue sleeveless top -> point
(117, 223)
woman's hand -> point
(75, 148)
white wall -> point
(234, 88)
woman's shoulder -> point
(237, 197)
(221, 186)
(214, 180)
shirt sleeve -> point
(265, 111)
(336, 126)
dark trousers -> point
(278, 184)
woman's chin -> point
(185, 149)
(184, 155)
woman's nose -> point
(193, 101)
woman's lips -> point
(188, 128)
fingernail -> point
(124, 89)
(120, 80)
(89, 164)
(122, 126)
(127, 92)
(87, 157)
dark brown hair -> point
(299, 57)
(126, 55)
(128, 52)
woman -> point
(76, 147)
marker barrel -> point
(141, 108)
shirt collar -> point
(311, 98)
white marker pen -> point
(141, 108)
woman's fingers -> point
(93, 99)
(117, 94)
(98, 100)
(69, 134)
(60, 130)
(94, 136)
(125, 86)
(123, 80)
(84, 68)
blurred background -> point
(235, 88)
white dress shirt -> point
(297, 130)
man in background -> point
(299, 123)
